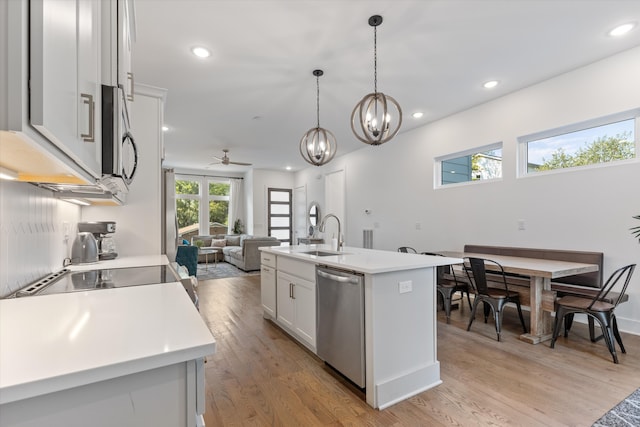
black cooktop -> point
(68, 281)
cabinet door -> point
(126, 28)
(89, 82)
(64, 67)
(304, 295)
(285, 311)
(268, 290)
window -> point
(188, 207)
(598, 141)
(219, 192)
(279, 214)
(478, 164)
(201, 213)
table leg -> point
(540, 320)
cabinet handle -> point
(293, 288)
(88, 100)
(130, 78)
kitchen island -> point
(399, 311)
(122, 356)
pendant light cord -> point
(318, 100)
(375, 60)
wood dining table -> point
(540, 273)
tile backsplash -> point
(32, 234)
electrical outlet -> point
(521, 225)
(404, 287)
(65, 230)
(418, 226)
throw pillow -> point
(233, 240)
(218, 243)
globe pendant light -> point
(373, 116)
(318, 145)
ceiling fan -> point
(224, 160)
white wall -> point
(139, 222)
(589, 209)
(32, 234)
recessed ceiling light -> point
(165, 128)
(201, 52)
(288, 168)
(621, 30)
(417, 114)
(490, 84)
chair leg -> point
(468, 300)
(607, 330)
(497, 315)
(524, 327)
(568, 321)
(446, 302)
(487, 310)
(473, 312)
(560, 314)
(616, 333)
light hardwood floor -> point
(259, 376)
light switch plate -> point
(404, 287)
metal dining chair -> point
(494, 299)
(407, 250)
(599, 308)
(447, 287)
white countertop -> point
(122, 262)
(54, 342)
(369, 261)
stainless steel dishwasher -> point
(340, 321)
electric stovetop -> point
(74, 281)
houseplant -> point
(636, 230)
(237, 227)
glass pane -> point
(278, 221)
(187, 212)
(281, 234)
(187, 187)
(280, 196)
(219, 212)
(600, 144)
(474, 167)
(219, 189)
(280, 210)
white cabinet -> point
(296, 309)
(268, 290)
(117, 44)
(268, 284)
(65, 77)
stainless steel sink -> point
(321, 253)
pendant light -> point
(318, 145)
(373, 116)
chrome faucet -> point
(323, 224)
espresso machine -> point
(103, 232)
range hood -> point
(31, 163)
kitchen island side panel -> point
(401, 337)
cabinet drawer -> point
(304, 270)
(267, 259)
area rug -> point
(624, 414)
(221, 270)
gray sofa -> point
(240, 250)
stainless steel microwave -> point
(119, 150)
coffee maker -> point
(102, 231)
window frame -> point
(437, 169)
(203, 197)
(523, 141)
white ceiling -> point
(256, 95)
